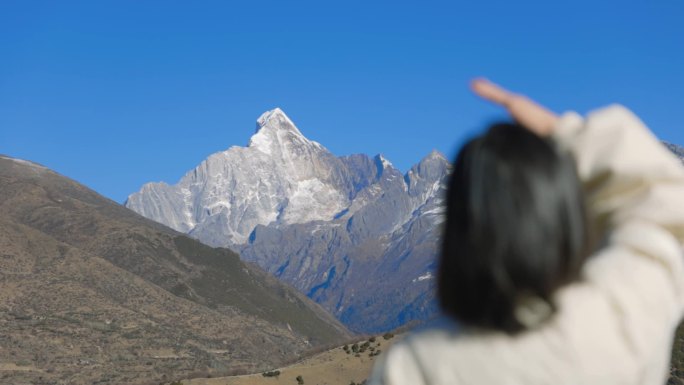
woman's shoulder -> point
(582, 343)
(442, 352)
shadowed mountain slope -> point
(91, 292)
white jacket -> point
(617, 325)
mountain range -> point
(93, 293)
(353, 233)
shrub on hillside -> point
(272, 373)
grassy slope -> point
(332, 367)
(91, 292)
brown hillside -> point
(90, 292)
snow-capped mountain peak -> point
(277, 119)
(315, 220)
(275, 132)
(280, 177)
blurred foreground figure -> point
(562, 256)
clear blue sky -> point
(118, 93)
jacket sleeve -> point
(635, 195)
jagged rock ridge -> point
(352, 232)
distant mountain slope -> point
(90, 292)
(353, 233)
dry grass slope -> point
(92, 293)
(333, 367)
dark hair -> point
(515, 228)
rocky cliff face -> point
(372, 265)
(353, 232)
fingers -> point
(525, 111)
(492, 92)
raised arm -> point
(635, 194)
(635, 281)
(528, 113)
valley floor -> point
(332, 367)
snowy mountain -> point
(353, 233)
(279, 177)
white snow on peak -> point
(385, 163)
(274, 129)
(262, 142)
(276, 118)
